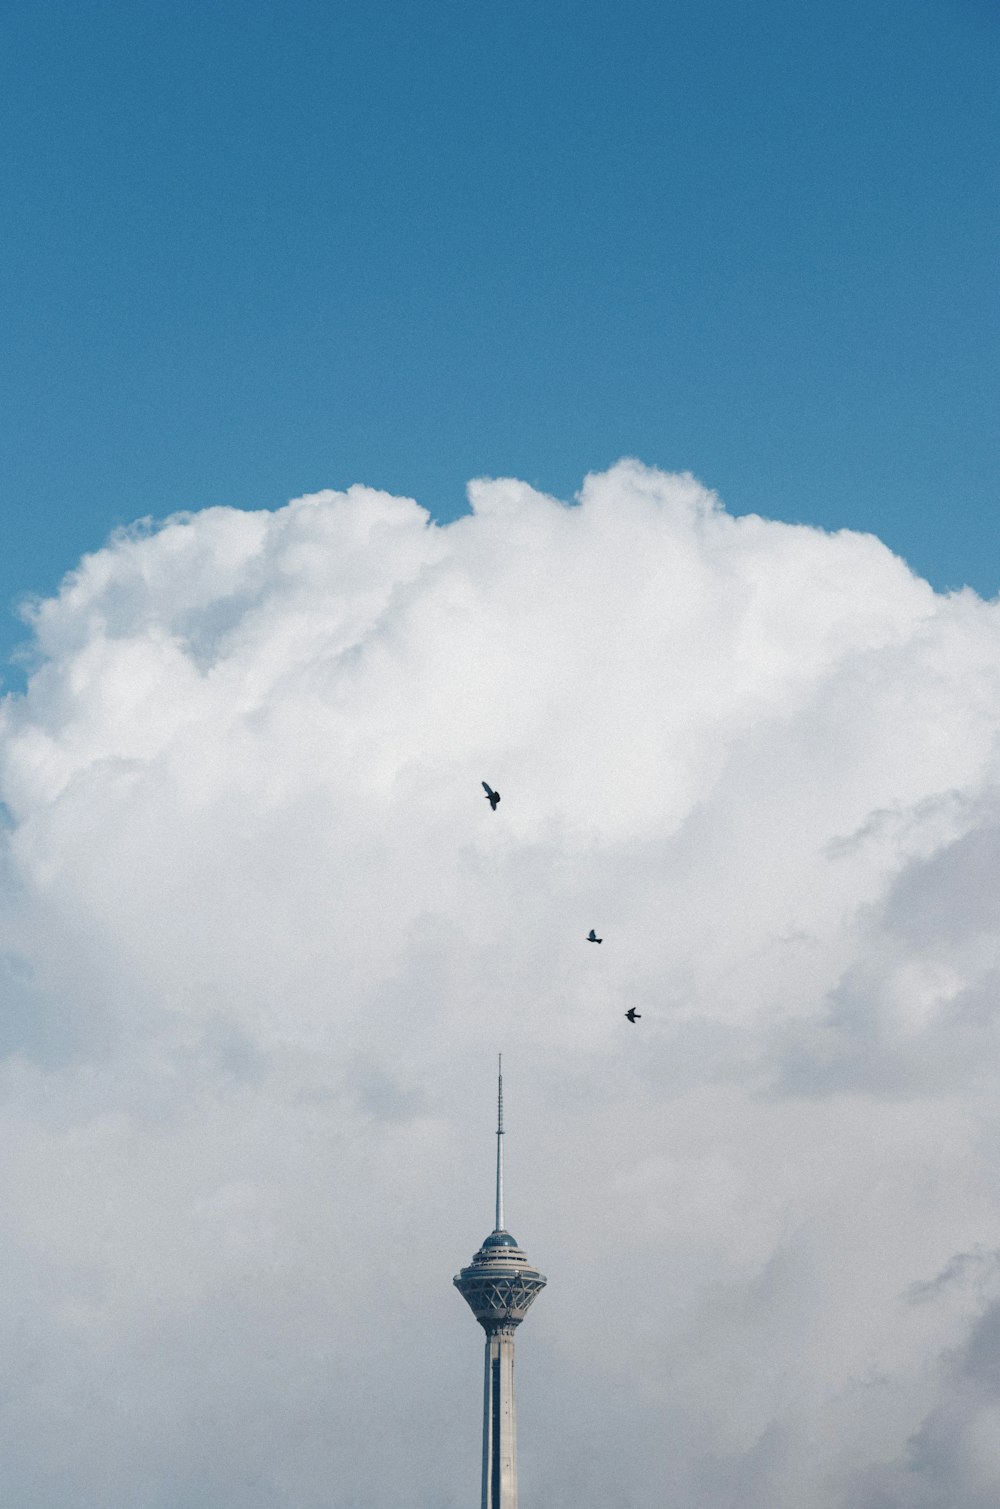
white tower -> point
(499, 1286)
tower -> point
(499, 1285)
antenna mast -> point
(500, 1225)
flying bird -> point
(593, 938)
(633, 1015)
(491, 796)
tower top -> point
(499, 1284)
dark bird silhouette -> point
(633, 1015)
(491, 796)
(593, 938)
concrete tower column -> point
(499, 1422)
(499, 1285)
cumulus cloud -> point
(262, 937)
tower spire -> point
(499, 1225)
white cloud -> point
(262, 937)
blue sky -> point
(258, 250)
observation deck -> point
(499, 1285)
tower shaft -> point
(499, 1423)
